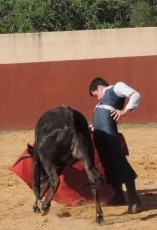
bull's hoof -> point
(100, 220)
(44, 209)
(36, 209)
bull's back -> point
(61, 117)
(52, 133)
(59, 126)
(52, 119)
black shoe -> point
(118, 197)
(116, 200)
(134, 205)
(134, 200)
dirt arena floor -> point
(17, 198)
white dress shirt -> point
(123, 90)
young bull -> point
(62, 138)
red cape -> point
(73, 181)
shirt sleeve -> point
(123, 90)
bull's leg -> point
(44, 186)
(99, 212)
(52, 182)
(45, 181)
(96, 181)
(36, 185)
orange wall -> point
(28, 90)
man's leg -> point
(110, 170)
(134, 200)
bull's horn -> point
(22, 158)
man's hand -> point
(116, 114)
(91, 127)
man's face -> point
(99, 92)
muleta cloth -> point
(74, 184)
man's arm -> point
(123, 90)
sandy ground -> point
(17, 198)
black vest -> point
(102, 116)
(112, 99)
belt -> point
(108, 107)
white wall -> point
(77, 45)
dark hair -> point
(95, 83)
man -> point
(106, 139)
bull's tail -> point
(29, 154)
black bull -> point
(62, 138)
